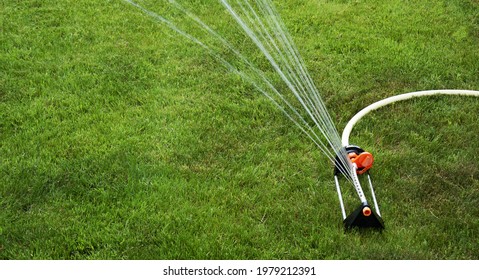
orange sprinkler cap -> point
(364, 161)
(367, 211)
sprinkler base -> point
(364, 217)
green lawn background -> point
(121, 140)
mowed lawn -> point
(120, 139)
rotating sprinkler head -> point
(352, 161)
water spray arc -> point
(299, 100)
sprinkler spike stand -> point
(364, 216)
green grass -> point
(121, 140)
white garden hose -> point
(389, 100)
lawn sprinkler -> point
(361, 161)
